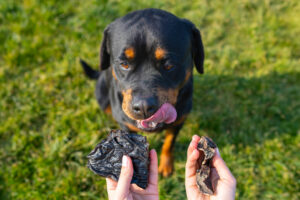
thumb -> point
(125, 178)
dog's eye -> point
(125, 65)
(168, 67)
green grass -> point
(248, 100)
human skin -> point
(223, 182)
(123, 190)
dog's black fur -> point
(146, 59)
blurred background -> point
(248, 100)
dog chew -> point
(106, 159)
(206, 148)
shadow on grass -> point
(241, 111)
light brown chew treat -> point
(206, 148)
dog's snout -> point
(144, 107)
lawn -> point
(248, 100)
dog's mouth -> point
(151, 127)
(166, 114)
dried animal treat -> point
(207, 151)
(106, 159)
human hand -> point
(223, 182)
(122, 189)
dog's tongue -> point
(166, 113)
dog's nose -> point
(144, 108)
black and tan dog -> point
(145, 78)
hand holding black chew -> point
(207, 151)
(106, 159)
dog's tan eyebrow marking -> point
(129, 53)
(160, 53)
(114, 74)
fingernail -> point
(194, 137)
(152, 151)
(192, 143)
(124, 161)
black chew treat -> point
(106, 159)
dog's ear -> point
(197, 50)
(105, 51)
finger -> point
(136, 189)
(190, 174)
(221, 167)
(191, 164)
(125, 178)
(193, 144)
(111, 184)
(153, 174)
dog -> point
(146, 74)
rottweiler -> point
(146, 74)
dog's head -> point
(151, 54)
